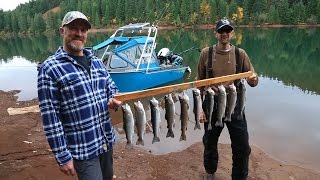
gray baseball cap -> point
(73, 15)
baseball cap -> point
(222, 23)
(73, 15)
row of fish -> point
(225, 108)
(227, 101)
(138, 121)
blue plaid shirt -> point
(73, 106)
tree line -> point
(39, 16)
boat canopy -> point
(126, 42)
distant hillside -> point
(38, 16)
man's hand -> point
(202, 117)
(68, 168)
(253, 79)
(114, 104)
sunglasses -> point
(221, 31)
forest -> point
(44, 16)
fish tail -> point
(228, 118)
(219, 123)
(140, 141)
(155, 139)
(197, 126)
(183, 137)
(170, 133)
(129, 145)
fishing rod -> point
(187, 50)
(161, 13)
(179, 41)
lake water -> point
(282, 111)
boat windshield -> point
(133, 54)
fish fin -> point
(155, 139)
(197, 126)
(170, 133)
(183, 137)
(129, 145)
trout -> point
(155, 119)
(197, 107)
(170, 113)
(184, 114)
(231, 101)
(141, 121)
(222, 102)
(242, 97)
(209, 106)
(128, 124)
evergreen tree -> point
(232, 8)
(39, 24)
(284, 13)
(298, 12)
(273, 15)
(213, 11)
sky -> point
(10, 4)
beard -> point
(76, 45)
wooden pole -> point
(179, 87)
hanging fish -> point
(141, 121)
(197, 107)
(155, 119)
(184, 114)
(241, 97)
(209, 106)
(128, 124)
(231, 101)
(222, 102)
(170, 114)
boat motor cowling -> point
(167, 57)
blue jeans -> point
(239, 143)
(98, 168)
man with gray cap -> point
(224, 59)
(75, 94)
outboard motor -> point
(163, 55)
(167, 57)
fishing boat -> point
(131, 59)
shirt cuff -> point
(63, 158)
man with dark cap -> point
(221, 60)
(75, 94)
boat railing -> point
(147, 51)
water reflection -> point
(19, 74)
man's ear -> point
(61, 30)
(232, 33)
